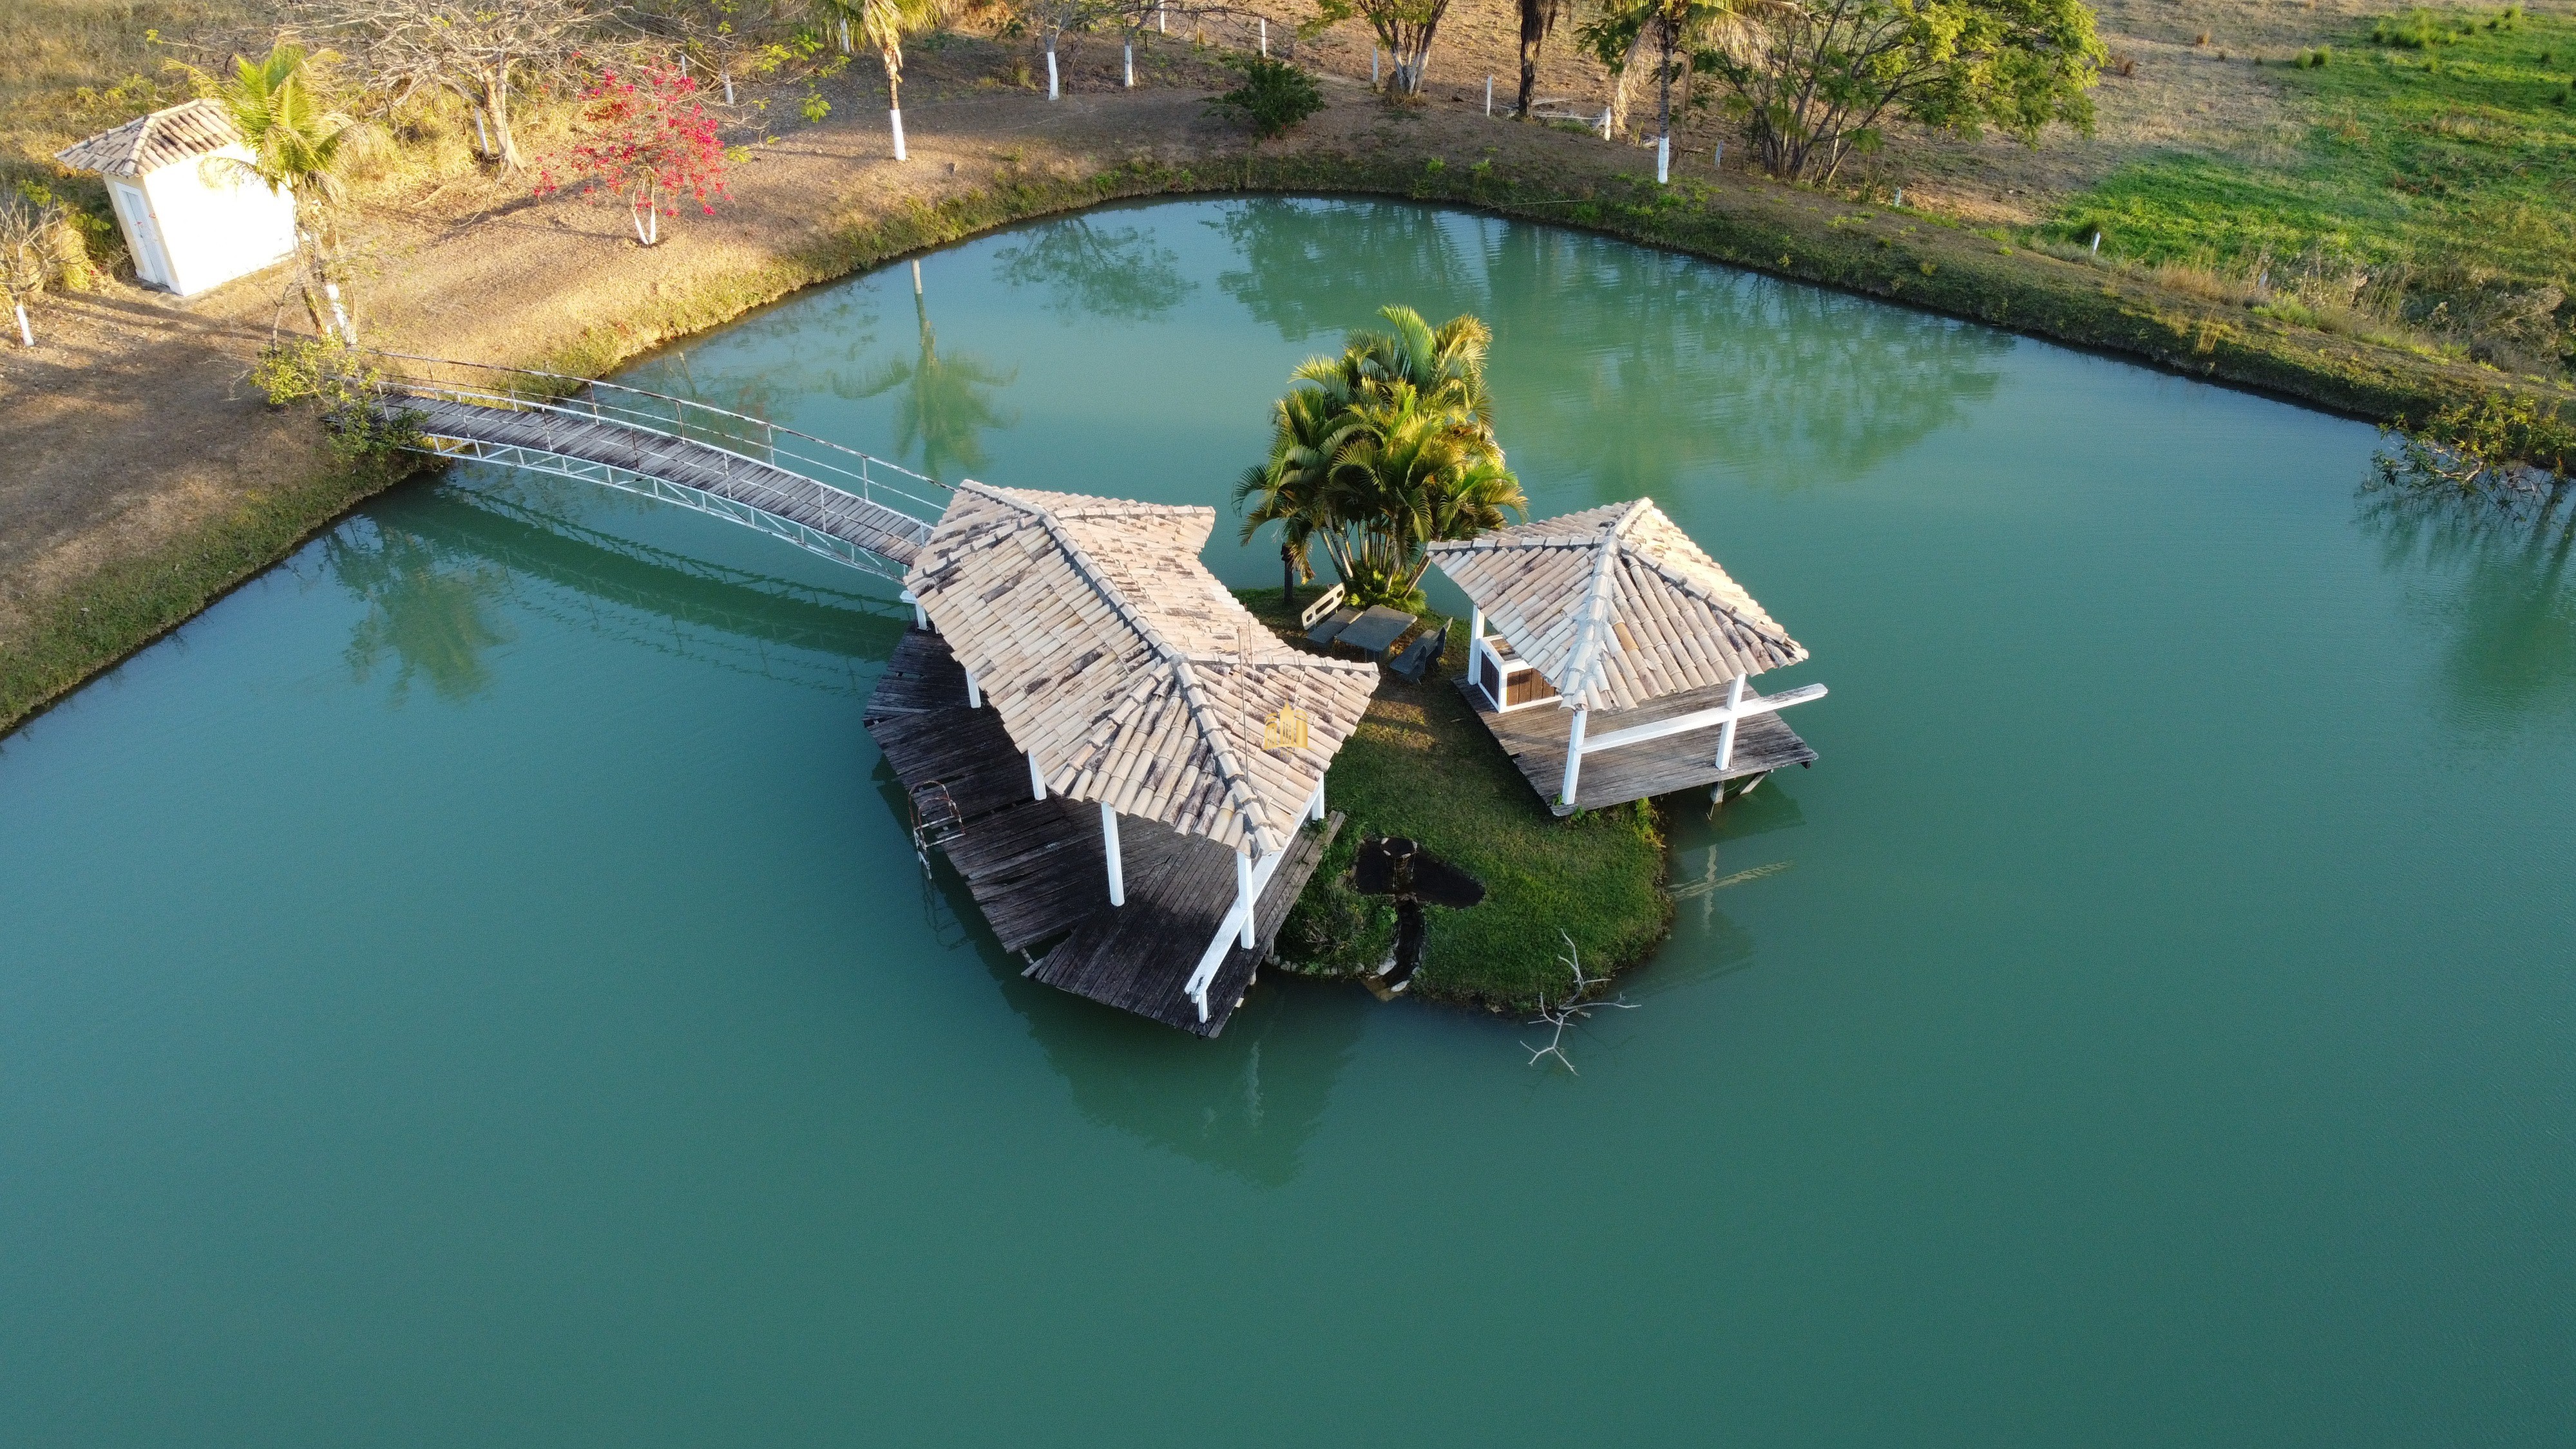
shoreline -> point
(96, 622)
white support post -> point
(1109, 843)
(1315, 807)
(1475, 622)
(1037, 778)
(1574, 756)
(974, 692)
(920, 615)
(1265, 55)
(1726, 731)
(1489, 97)
(1243, 888)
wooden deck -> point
(1037, 870)
(1535, 739)
(705, 467)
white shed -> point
(191, 220)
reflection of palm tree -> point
(943, 407)
(430, 618)
(2510, 608)
(1095, 270)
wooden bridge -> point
(827, 499)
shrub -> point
(1275, 97)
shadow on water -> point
(1085, 268)
(1247, 1102)
(1638, 369)
(2497, 586)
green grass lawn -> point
(2434, 185)
(1422, 765)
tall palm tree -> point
(299, 146)
(883, 26)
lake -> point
(473, 985)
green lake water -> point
(472, 986)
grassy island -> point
(1421, 765)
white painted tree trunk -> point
(340, 314)
(1265, 37)
(897, 115)
(26, 335)
(1131, 65)
(1053, 93)
(728, 80)
(1663, 160)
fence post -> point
(1489, 97)
(1264, 23)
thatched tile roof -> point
(1616, 606)
(148, 143)
(1120, 662)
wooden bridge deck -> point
(1037, 869)
(706, 467)
(1535, 739)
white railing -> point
(752, 439)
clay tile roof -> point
(1120, 662)
(1616, 606)
(148, 143)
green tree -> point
(1381, 450)
(300, 146)
(1813, 83)
(1404, 27)
(1620, 30)
(883, 26)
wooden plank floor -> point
(880, 530)
(1535, 739)
(1039, 873)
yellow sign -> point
(1285, 729)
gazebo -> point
(193, 215)
(1131, 679)
(1618, 618)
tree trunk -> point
(1054, 93)
(894, 100)
(1537, 18)
(496, 104)
(1619, 80)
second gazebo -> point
(1636, 634)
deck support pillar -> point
(1475, 630)
(1037, 778)
(1109, 844)
(1243, 889)
(974, 692)
(1573, 757)
(1726, 731)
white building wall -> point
(216, 221)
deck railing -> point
(818, 460)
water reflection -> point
(436, 569)
(432, 616)
(1631, 369)
(943, 404)
(1084, 268)
(2497, 584)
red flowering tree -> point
(646, 141)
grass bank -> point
(1565, 180)
(2428, 192)
(1421, 765)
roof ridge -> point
(1701, 592)
(1239, 789)
(1592, 614)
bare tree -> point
(485, 51)
(31, 255)
(1572, 1009)
(1405, 27)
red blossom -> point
(646, 141)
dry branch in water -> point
(1570, 1010)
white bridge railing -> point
(754, 439)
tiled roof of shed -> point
(148, 143)
(1616, 606)
(1120, 662)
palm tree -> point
(298, 146)
(883, 25)
(1381, 450)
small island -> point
(1164, 784)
